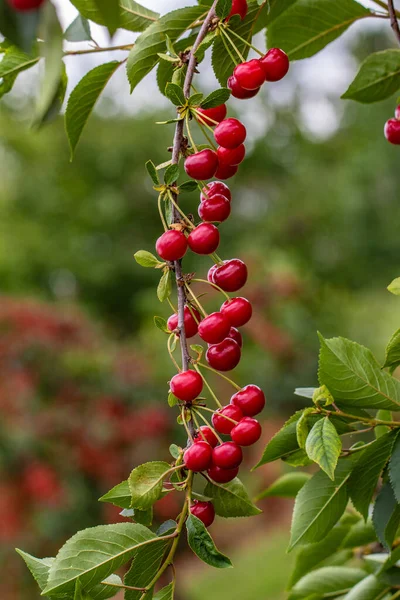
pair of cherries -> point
(249, 76)
(392, 128)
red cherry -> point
(186, 385)
(275, 64)
(222, 475)
(247, 432)
(237, 310)
(392, 131)
(226, 171)
(172, 245)
(230, 133)
(191, 322)
(239, 92)
(224, 356)
(204, 511)
(397, 112)
(216, 209)
(214, 328)
(25, 5)
(249, 75)
(202, 165)
(218, 113)
(223, 424)
(231, 158)
(227, 455)
(198, 457)
(210, 274)
(214, 188)
(235, 334)
(231, 275)
(208, 434)
(239, 7)
(250, 400)
(204, 239)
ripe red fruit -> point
(186, 386)
(235, 334)
(204, 239)
(230, 133)
(231, 158)
(214, 328)
(247, 432)
(208, 434)
(198, 457)
(239, 92)
(226, 171)
(227, 455)
(204, 511)
(249, 75)
(191, 325)
(202, 165)
(237, 310)
(25, 5)
(231, 275)
(172, 245)
(210, 274)
(221, 419)
(275, 64)
(218, 113)
(392, 131)
(222, 475)
(239, 7)
(214, 188)
(224, 356)
(217, 209)
(250, 400)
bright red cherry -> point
(226, 171)
(186, 386)
(247, 432)
(235, 334)
(392, 131)
(25, 5)
(231, 275)
(250, 75)
(218, 114)
(202, 165)
(204, 511)
(191, 322)
(227, 455)
(237, 310)
(230, 133)
(239, 7)
(213, 188)
(206, 434)
(224, 356)
(224, 419)
(215, 209)
(214, 328)
(204, 239)
(172, 245)
(250, 400)
(238, 92)
(210, 274)
(222, 475)
(275, 64)
(231, 158)
(198, 457)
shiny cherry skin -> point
(204, 511)
(204, 239)
(208, 115)
(226, 171)
(238, 310)
(186, 386)
(223, 419)
(392, 131)
(224, 356)
(231, 133)
(198, 457)
(239, 7)
(222, 475)
(172, 245)
(227, 455)
(215, 209)
(231, 158)
(250, 75)
(206, 434)
(213, 188)
(202, 165)
(191, 322)
(25, 5)
(214, 328)
(250, 400)
(231, 275)
(235, 334)
(238, 92)
(247, 432)
(210, 274)
(275, 64)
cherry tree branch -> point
(393, 19)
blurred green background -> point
(83, 369)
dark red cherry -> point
(231, 158)
(231, 133)
(239, 7)
(227, 455)
(204, 239)
(198, 457)
(250, 400)
(172, 245)
(224, 356)
(25, 5)
(392, 131)
(231, 275)
(235, 334)
(226, 171)
(213, 188)
(215, 209)
(275, 64)
(191, 322)
(249, 75)
(237, 310)
(209, 115)
(202, 165)
(186, 386)
(214, 328)
(224, 419)
(239, 92)
(206, 434)
(204, 511)
(247, 432)
(222, 475)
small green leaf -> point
(78, 30)
(143, 517)
(152, 171)
(146, 259)
(305, 392)
(394, 468)
(324, 446)
(132, 16)
(188, 186)
(369, 588)
(216, 98)
(231, 499)
(110, 12)
(164, 288)
(161, 324)
(198, 349)
(167, 528)
(382, 415)
(119, 495)
(175, 94)
(202, 544)
(195, 99)
(171, 174)
(322, 396)
(175, 451)
(377, 79)
(302, 428)
(327, 582)
(297, 459)
(392, 358)
(394, 287)
(286, 486)
(146, 483)
(223, 8)
(386, 516)
(172, 400)
(360, 534)
(167, 593)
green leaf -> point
(110, 12)
(167, 528)
(168, 71)
(271, 11)
(167, 593)
(386, 516)
(161, 324)
(15, 61)
(223, 8)
(353, 376)
(286, 486)
(369, 588)
(202, 544)
(172, 400)
(302, 428)
(132, 16)
(171, 174)
(361, 534)
(297, 459)
(143, 517)
(394, 468)
(175, 451)
(216, 98)
(365, 475)
(382, 415)
(231, 499)
(305, 392)
(394, 287)
(164, 288)
(146, 483)
(145, 566)
(175, 93)
(120, 495)
(392, 358)
(152, 171)
(188, 186)
(146, 259)
(78, 30)
(377, 79)
(324, 446)
(391, 560)
(327, 582)
(309, 25)
(195, 99)
(39, 567)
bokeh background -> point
(83, 370)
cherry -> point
(249, 75)
(214, 188)
(275, 64)
(191, 322)
(204, 511)
(247, 432)
(230, 133)
(217, 113)
(198, 457)
(237, 310)
(202, 165)
(214, 328)
(222, 475)
(392, 131)
(239, 7)
(250, 400)
(224, 356)
(172, 245)
(208, 434)
(186, 386)
(239, 92)
(217, 209)
(235, 334)
(231, 158)
(210, 274)
(204, 239)
(223, 424)
(226, 171)
(227, 455)
(231, 275)
(25, 5)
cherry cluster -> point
(392, 128)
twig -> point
(126, 47)
(393, 20)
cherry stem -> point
(208, 138)
(246, 42)
(217, 402)
(170, 352)
(183, 417)
(202, 417)
(219, 415)
(193, 314)
(232, 57)
(198, 427)
(213, 285)
(202, 116)
(190, 133)
(235, 385)
(171, 305)
(185, 218)
(233, 46)
(196, 300)
(163, 221)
